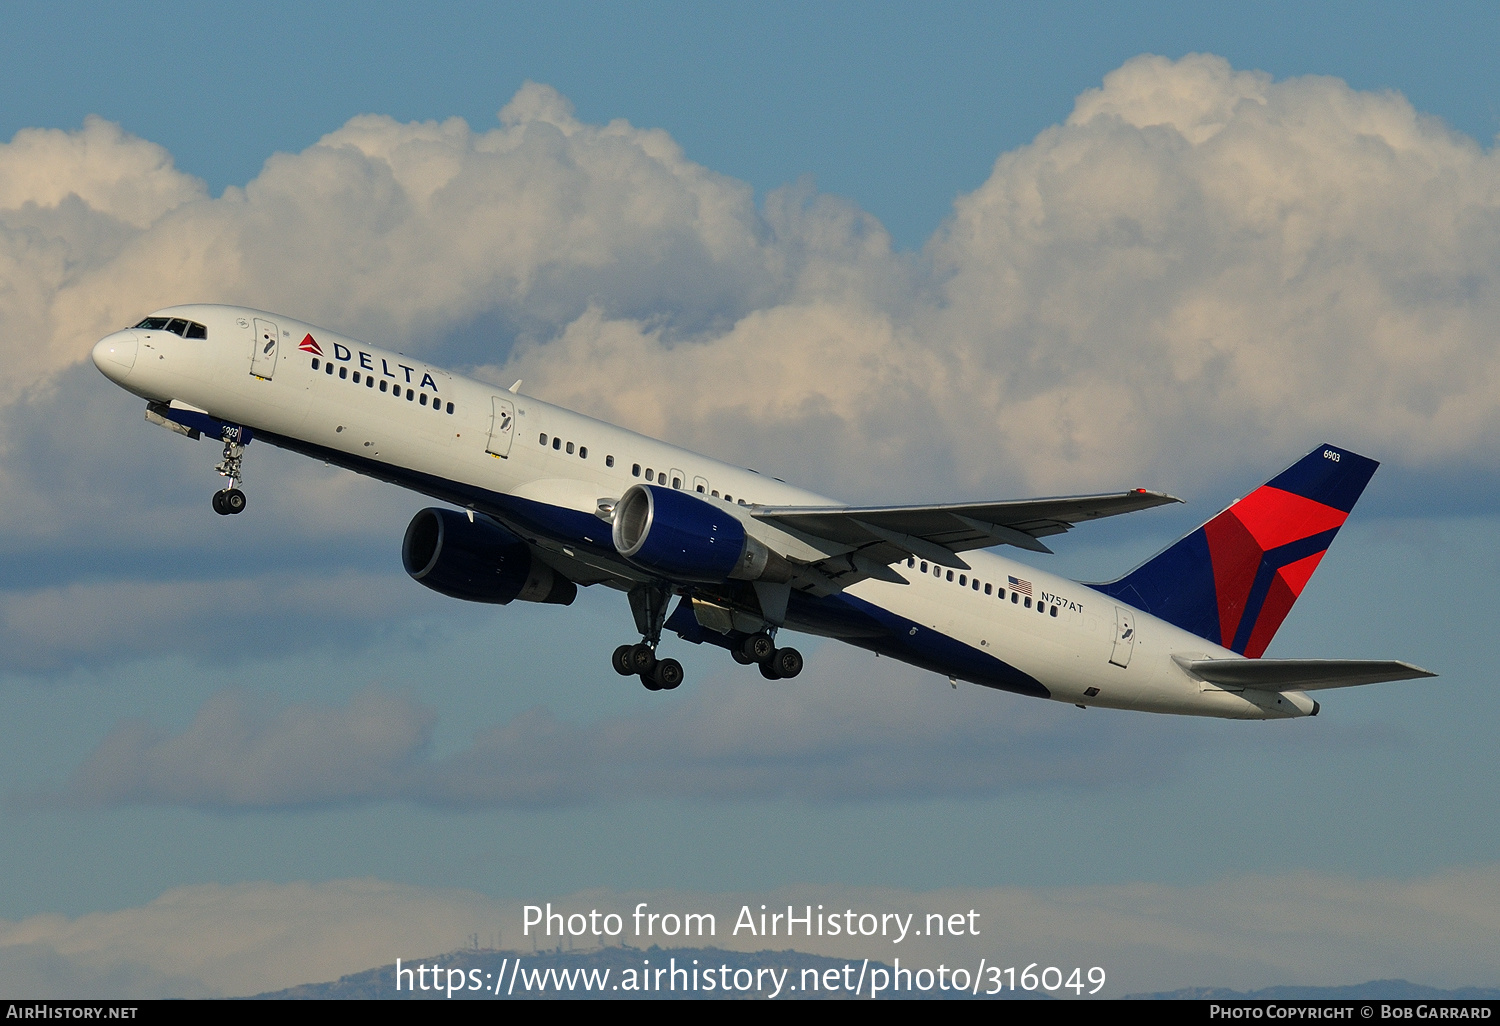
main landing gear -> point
(649, 604)
(231, 500)
(775, 663)
(640, 660)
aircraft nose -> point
(114, 355)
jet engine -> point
(478, 560)
(685, 538)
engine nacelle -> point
(478, 561)
(680, 536)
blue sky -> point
(1181, 273)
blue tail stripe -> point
(1333, 482)
(1271, 562)
(1177, 586)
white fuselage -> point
(1066, 636)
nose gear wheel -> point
(231, 500)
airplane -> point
(542, 500)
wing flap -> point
(1300, 674)
(889, 533)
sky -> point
(888, 252)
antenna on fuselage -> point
(513, 389)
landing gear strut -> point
(231, 500)
(649, 604)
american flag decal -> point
(1016, 584)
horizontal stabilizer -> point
(1299, 674)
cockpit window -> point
(176, 325)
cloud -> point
(214, 940)
(1238, 931)
(92, 622)
(1198, 264)
(852, 728)
(1199, 269)
(1196, 276)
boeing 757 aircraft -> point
(542, 500)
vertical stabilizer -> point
(1234, 579)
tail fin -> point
(1234, 579)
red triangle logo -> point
(310, 345)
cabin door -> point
(263, 356)
(1124, 637)
(502, 427)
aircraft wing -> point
(884, 535)
(1300, 674)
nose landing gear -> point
(231, 500)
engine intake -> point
(478, 561)
(685, 538)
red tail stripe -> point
(1235, 557)
(1276, 518)
(1296, 574)
(1279, 599)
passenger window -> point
(1001, 593)
(650, 474)
(583, 452)
(716, 493)
(987, 589)
(343, 373)
(924, 566)
(356, 377)
(369, 381)
(424, 398)
(1054, 610)
(635, 470)
(1028, 601)
(328, 368)
(963, 580)
(976, 584)
(1015, 596)
(556, 442)
(450, 407)
(609, 461)
(911, 561)
(950, 575)
(676, 482)
(382, 384)
(700, 488)
(315, 363)
(570, 448)
(543, 438)
(728, 497)
(409, 395)
(742, 502)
